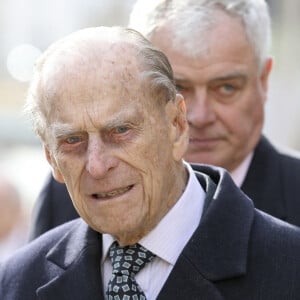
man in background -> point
(219, 50)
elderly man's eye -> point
(73, 139)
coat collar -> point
(77, 255)
(263, 182)
(221, 240)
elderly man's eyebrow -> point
(60, 130)
(130, 117)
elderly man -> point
(115, 132)
(219, 52)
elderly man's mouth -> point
(113, 193)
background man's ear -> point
(264, 78)
(55, 171)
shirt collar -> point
(176, 227)
(239, 174)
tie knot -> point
(129, 259)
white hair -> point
(84, 47)
(190, 19)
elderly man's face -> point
(225, 92)
(116, 148)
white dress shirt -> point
(239, 174)
(166, 240)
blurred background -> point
(28, 27)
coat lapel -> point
(79, 275)
(186, 282)
(218, 249)
(263, 183)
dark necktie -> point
(127, 262)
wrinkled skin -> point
(225, 91)
(117, 149)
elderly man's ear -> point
(179, 129)
(55, 171)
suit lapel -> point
(79, 276)
(218, 249)
(263, 183)
(186, 282)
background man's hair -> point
(191, 19)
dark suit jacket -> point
(272, 182)
(52, 208)
(236, 253)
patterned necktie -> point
(127, 262)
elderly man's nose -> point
(99, 160)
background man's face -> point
(225, 92)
